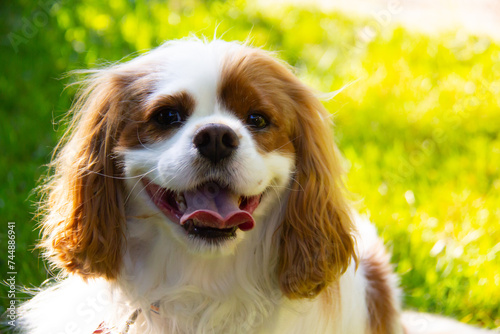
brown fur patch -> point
(142, 129)
(248, 85)
(381, 297)
(85, 214)
(83, 228)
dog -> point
(199, 190)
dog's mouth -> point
(211, 212)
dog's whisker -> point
(288, 142)
(119, 177)
(151, 181)
(139, 181)
(140, 141)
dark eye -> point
(257, 121)
(168, 117)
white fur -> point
(233, 294)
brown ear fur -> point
(83, 226)
(316, 242)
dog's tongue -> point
(217, 208)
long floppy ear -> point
(84, 210)
(316, 242)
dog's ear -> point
(84, 209)
(316, 236)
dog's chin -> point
(209, 218)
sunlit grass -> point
(420, 127)
(421, 135)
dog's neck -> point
(195, 291)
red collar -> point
(103, 329)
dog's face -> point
(207, 141)
(212, 145)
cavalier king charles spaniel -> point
(199, 190)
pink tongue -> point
(216, 207)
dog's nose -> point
(215, 141)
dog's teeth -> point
(181, 202)
(179, 198)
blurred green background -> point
(419, 129)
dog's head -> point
(209, 139)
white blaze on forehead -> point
(192, 67)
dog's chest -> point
(199, 313)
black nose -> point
(215, 141)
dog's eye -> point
(168, 117)
(257, 121)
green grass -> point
(419, 129)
